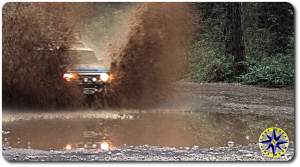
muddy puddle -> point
(52, 131)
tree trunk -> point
(228, 30)
(234, 43)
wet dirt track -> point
(209, 122)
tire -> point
(102, 99)
(90, 99)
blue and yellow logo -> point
(273, 142)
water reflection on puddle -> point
(173, 129)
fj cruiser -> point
(85, 70)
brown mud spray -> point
(153, 56)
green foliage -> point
(269, 45)
(270, 72)
(205, 65)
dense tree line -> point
(252, 43)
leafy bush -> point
(207, 64)
(204, 64)
(270, 73)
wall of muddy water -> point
(153, 55)
(34, 37)
(143, 43)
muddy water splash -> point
(153, 55)
(34, 37)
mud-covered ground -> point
(148, 153)
(234, 98)
(201, 122)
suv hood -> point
(88, 68)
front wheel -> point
(90, 99)
(97, 100)
(101, 98)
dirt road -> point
(234, 98)
(201, 122)
(147, 153)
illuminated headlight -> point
(94, 79)
(104, 77)
(69, 76)
(85, 79)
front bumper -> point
(88, 86)
(93, 88)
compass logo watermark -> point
(273, 142)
